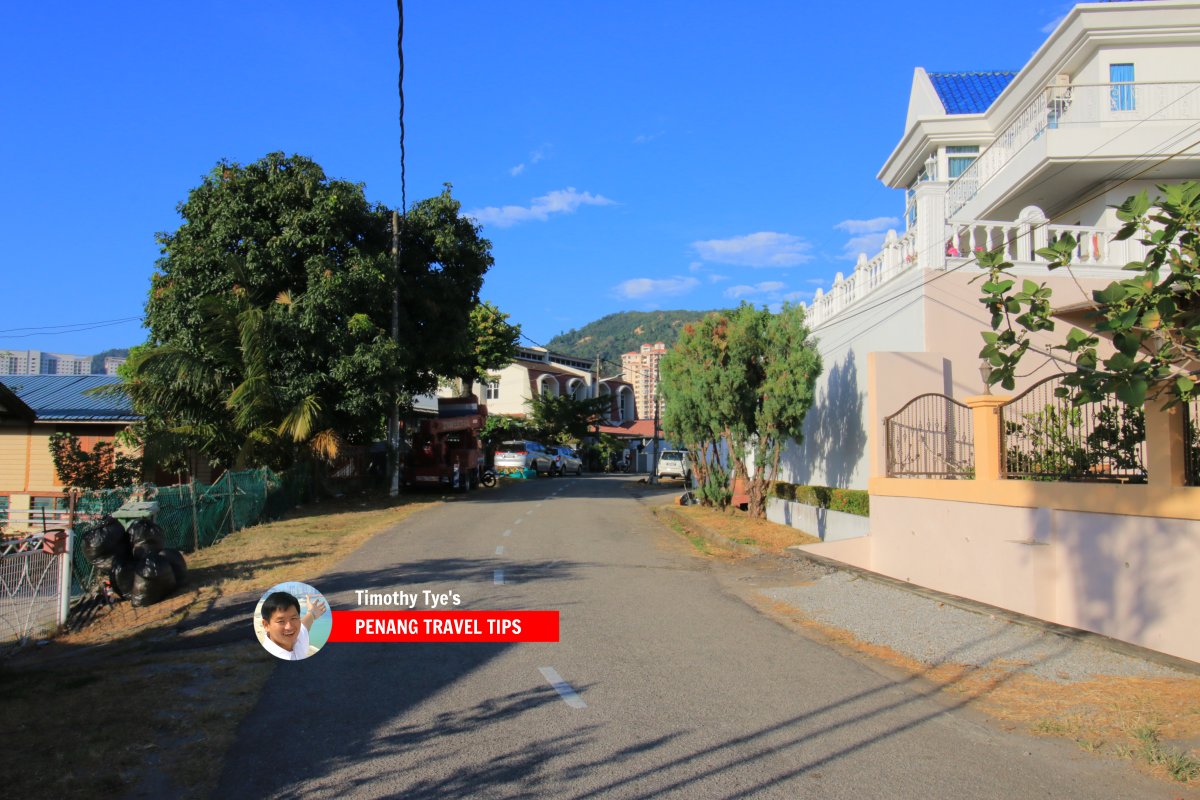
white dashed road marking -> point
(507, 532)
(497, 576)
(562, 687)
(500, 550)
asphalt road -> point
(677, 687)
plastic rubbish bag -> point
(146, 538)
(178, 564)
(121, 576)
(101, 545)
(153, 579)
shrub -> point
(849, 501)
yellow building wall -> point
(13, 442)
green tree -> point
(740, 383)
(493, 341)
(564, 419)
(1152, 317)
(270, 314)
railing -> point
(932, 436)
(1022, 239)
(1191, 442)
(30, 600)
(1079, 104)
(1046, 437)
(898, 256)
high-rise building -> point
(36, 362)
(641, 370)
(111, 363)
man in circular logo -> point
(285, 628)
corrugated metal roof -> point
(63, 397)
(969, 92)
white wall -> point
(834, 451)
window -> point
(493, 388)
(48, 503)
(3, 509)
(1121, 94)
(959, 157)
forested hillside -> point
(623, 332)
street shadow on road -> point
(373, 735)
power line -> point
(400, 89)
(73, 330)
(67, 325)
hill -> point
(623, 332)
(98, 359)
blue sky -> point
(620, 155)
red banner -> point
(444, 626)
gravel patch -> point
(935, 633)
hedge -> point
(850, 501)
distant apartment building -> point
(111, 363)
(36, 362)
(641, 370)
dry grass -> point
(738, 527)
(1154, 722)
(96, 713)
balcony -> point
(1077, 124)
(1096, 254)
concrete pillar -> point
(985, 410)
(932, 232)
(1165, 451)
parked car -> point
(523, 454)
(674, 464)
(566, 460)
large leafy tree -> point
(1152, 317)
(564, 419)
(740, 383)
(270, 314)
(493, 344)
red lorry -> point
(446, 451)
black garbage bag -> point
(153, 580)
(178, 565)
(104, 543)
(121, 576)
(145, 538)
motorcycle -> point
(488, 478)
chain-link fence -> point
(196, 515)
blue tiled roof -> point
(969, 92)
(63, 398)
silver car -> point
(566, 460)
(522, 454)
(674, 464)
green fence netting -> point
(196, 515)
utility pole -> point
(394, 418)
(657, 401)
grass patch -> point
(94, 712)
(738, 527)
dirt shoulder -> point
(145, 702)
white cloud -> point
(696, 266)
(562, 201)
(647, 137)
(859, 226)
(762, 249)
(534, 157)
(769, 289)
(1049, 27)
(869, 243)
(642, 287)
(715, 278)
